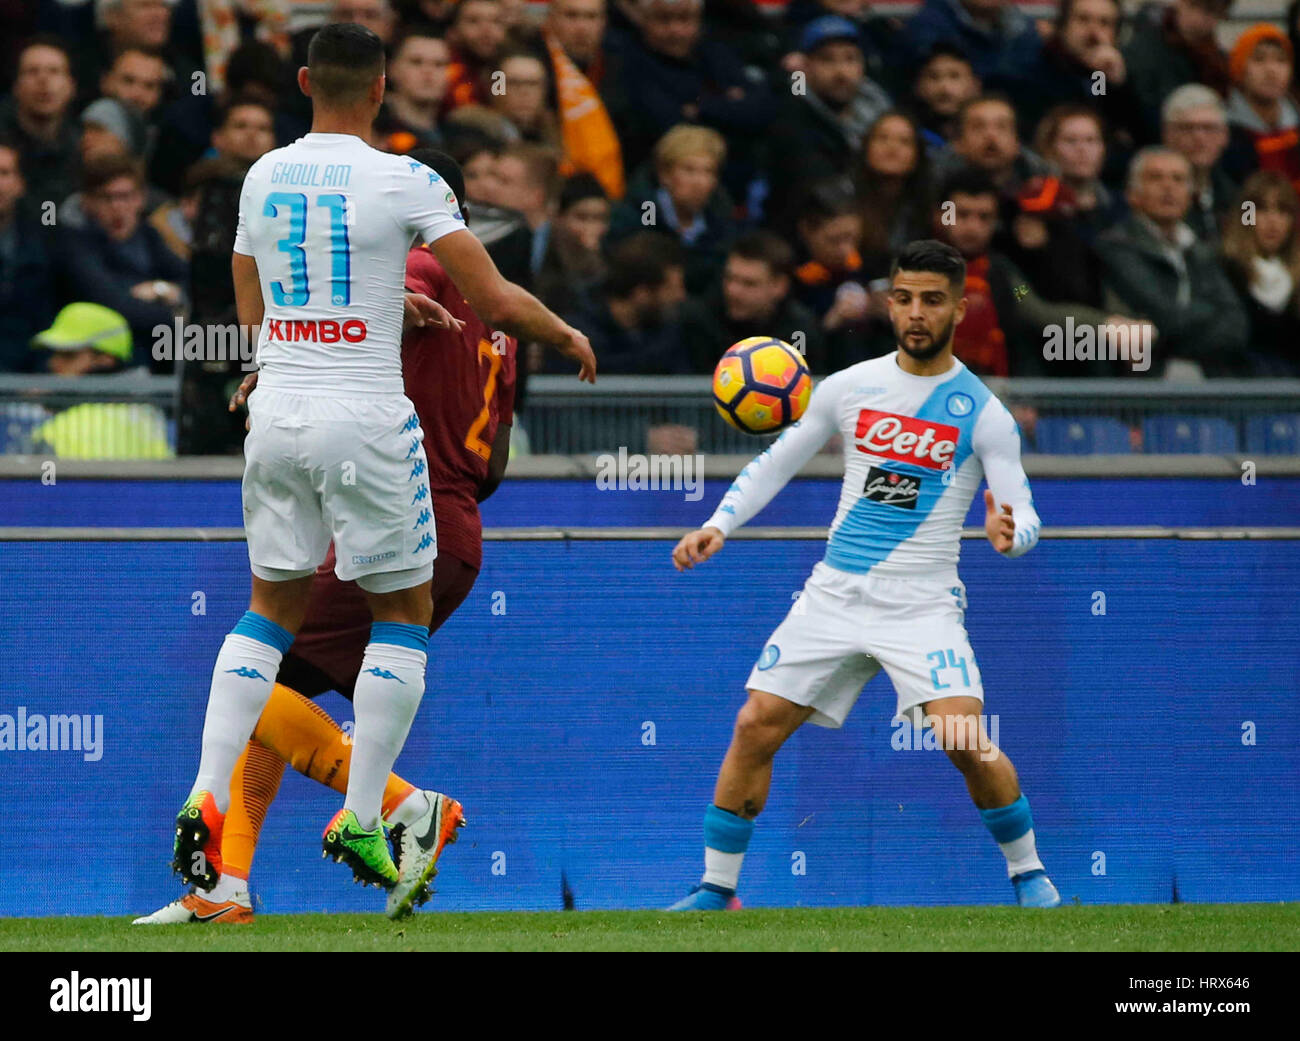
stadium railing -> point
(1057, 416)
(128, 416)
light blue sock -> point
(726, 837)
(1012, 827)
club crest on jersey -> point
(906, 439)
(960, 404)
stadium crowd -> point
(673, 175)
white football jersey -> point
(329, 221)
(915, 451)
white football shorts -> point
(845, 627)
(349, 470)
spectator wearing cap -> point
(573, 263)
(752, 299)
(944, 83)
(1158, 269)
(26, 268)
(880, 35)
(992, 33)
(417, 85)
(675, 73)
(112, 127)
(1194, 123)
(633, 322)
(1263, 122)
(1171, 45)
(1079, 63)
(817, 131)
(119, 260)
(37, 118)
(87, 340)
(109, 128)
(681, 197)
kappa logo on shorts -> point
(892, 489)
(421, 494)
(375, 558)
(424, 518)
(770, 656)
(425, 542)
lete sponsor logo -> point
(906, 439)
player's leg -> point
(811, 669)
(918, 633)
(763, 725)
(242, 679)
(419, 843)
(253, 785)
(384, 540)
(995, 790)
(287, 538)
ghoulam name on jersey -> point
(915, 450)
(329, 221)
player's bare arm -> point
(999, 526)
(506, 306)
(248, 290)
(696, 547)
(420, 311)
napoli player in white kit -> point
(920, 432)
(334, 451)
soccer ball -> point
(761, 385)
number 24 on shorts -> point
(947, 659)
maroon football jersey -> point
(462, 390)
(463, 387)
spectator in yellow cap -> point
(87, 339)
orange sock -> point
(302, 733)
(252, 789)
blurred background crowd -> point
(674, 175)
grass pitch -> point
(1139, 927)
